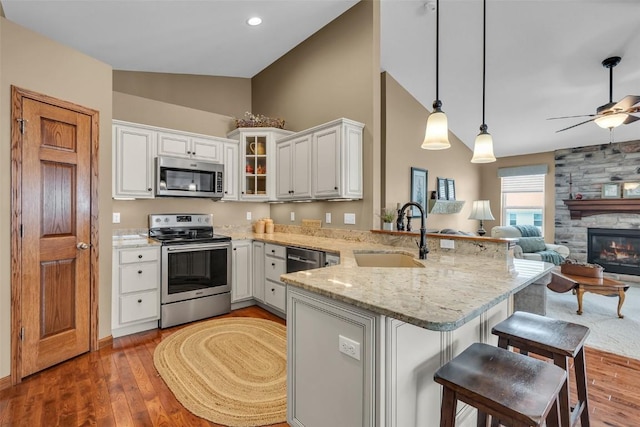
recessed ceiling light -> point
(254, 21)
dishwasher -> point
(299, 259)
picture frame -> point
(441, 185)
(418, 190)
(451, 189)
(611, 190)
(631, 190)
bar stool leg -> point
(581, 385)
(448, 408)
(565, 405)
(553, 419)
(482, 419)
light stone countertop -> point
(447, 293)
(133, 241)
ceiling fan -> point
(612, 114)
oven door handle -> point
(197, 247)
(300, 259)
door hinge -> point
(22, 334)
(22, 122)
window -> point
(523, 200)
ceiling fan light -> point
(611, 120)
(436, 135)
(483, 148)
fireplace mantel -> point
(588, 207)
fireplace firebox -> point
(618, 251)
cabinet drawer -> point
(145, 305)
(139, 255)
(275, 250)
(139, 277)
(274, 268)
(275, 294)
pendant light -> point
(436, 135)
(483, 146)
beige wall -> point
(134, 213)
(223, 95)
(403, 135)
(30, 61)
(332, 74)
(491, 188)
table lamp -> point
(481, 210)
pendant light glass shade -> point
(611, 120)
(436, 135)
(483, 147)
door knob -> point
(82, 245)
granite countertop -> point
(133, 241)
(448, 292)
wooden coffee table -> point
(561, 282)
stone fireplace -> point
(618, 251)
(583, 170)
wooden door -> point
(55, 213)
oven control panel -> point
(180, 220)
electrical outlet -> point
(327, 218)
(248, 216)
(349, 218)
(447, 244)
(116, 217)
(349, 347)
(293, 216)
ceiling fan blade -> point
(630, 119)
(578, 124)
(572, 117)
(627, 102)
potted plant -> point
(387, 216)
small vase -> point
(388, 226)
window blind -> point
(523, 184)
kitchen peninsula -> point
(364, 342)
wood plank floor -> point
(119, 386)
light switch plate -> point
(349, 218)
(327, 218)
(293, 216)
(116, 217)
(249, 216)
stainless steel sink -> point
(385, 259)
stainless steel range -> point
(195, 266)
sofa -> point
(532, 245)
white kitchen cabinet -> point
(189, 146)
(257, 162)
(275, 265)
(293, 175)
(258, 271)
(133, 165)
(241, 270)
(337, 160)
(231, 175)
(135, 304)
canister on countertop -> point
(259, 226)
(268, 226)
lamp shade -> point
(611, 120)
(436, 136)
(481, 210)
(483, 149)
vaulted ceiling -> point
(543, 56)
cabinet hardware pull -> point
(335, 188)
(148, 189)
(273, 289)
(139, 301)
(188, 152)
(235, 249)
(140, 256)
(194, 153)
(273, 264)
(139, 271)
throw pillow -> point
(532, 244)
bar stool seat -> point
(557, 340)
(518, 390)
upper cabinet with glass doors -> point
(257, 161)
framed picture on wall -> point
(451, 189)
(631, 190)
(442, 188)
(611, 190)
(418, 190)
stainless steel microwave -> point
(176, 177)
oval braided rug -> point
(230, 371)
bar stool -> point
(518, 390)
(557, 340)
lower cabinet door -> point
(144, 305)
(275, 294)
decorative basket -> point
(259, 121)
(585, 270)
